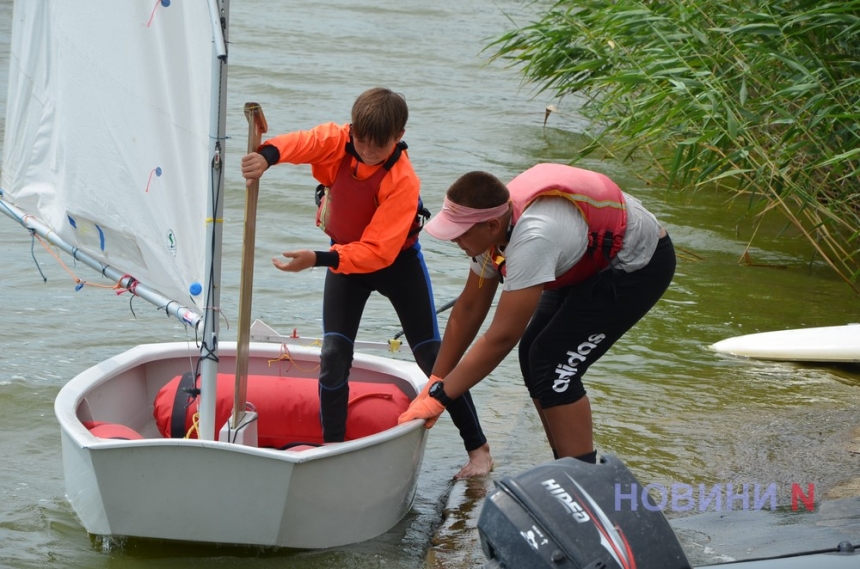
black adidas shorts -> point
(574, 326)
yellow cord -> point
(195, 423)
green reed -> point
(761, 97)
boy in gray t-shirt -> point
(580, 261)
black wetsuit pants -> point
(406, 284)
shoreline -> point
(712, 537)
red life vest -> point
(347, 207)
(597, 198)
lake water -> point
(675, 412)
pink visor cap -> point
(455, 219)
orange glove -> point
(426, 389)
(427, 408)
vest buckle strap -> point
(608, 242)
(319, 193)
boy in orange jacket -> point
(369, 207)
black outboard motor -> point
(571, 514)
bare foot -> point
(480, 463)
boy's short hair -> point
(379, 114)
(479, 190)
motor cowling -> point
(571, 514)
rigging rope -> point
(287, 357)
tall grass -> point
(761, 97)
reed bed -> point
(761, 98)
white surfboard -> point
(823, 344)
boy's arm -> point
(323, 143)
(467, 315)
(512, 315)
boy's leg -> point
(550, 302)
(572, 422)
(590, 319)
(344, 298)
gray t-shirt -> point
(551, 236)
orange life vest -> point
(347, 207)
(597, 198)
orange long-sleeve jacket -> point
(324, 147)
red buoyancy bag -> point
(105, 430)
(287, 408)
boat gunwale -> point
(74, 394)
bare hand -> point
(301, 260)
(253, 166)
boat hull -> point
(211, 491)
(836, 344)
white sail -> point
(107, 126)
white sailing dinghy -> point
(115, 137)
